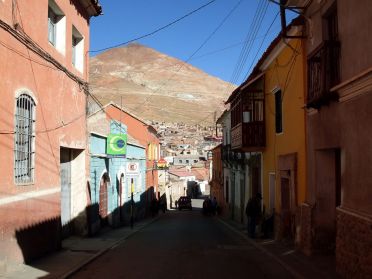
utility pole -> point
(131, 203)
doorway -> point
(65, 174)
(328, 197)
(288, 226)
(105, 180)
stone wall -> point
(353, 244)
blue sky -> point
(124, 20)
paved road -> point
(184, 244)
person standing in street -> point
(214, 206)
(253, 212)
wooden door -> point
(286, 208)
(103, 196)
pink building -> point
(337, 215)
(44, 72)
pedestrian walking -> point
(214, 206)
(253, 212)
(154, 207)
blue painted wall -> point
(115, 167)
(97, 164)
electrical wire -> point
(155, 31)
(225, 48)
(195, 52)
(255, 25)
(262, 42)
(23, 38)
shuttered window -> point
(24, 146)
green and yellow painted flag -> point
(117, 144)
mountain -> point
(157, 87)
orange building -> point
(42, 123)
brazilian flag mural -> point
(117, 144)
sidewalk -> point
(300, 265)
(76, 252)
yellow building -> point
(268, 133)
(284, 156)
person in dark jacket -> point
(253, 212)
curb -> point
(105, 250)
(259, 247)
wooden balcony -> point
(323, 74)
(248, 137)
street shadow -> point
(40, 239)
(44, 238)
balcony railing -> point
(323, 74)
(248, 136)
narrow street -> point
(184, 244)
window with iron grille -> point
(24, 145)
(324, 63)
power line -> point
(225, 48)
(254, 28)
(195, 52)
(259, 48)
(156, 30)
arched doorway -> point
(105, 180)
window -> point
(24, 145)
(156, 157)
(187, 161)
(324, 63)
(52, 21)
(331, 22)
(149, 152)
(77, 49)
(56, 27)
(278, 112)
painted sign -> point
(162, 164)
(117, 144)
(132, 168)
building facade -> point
(147, 136)
(43, 124)
(284, 157)
(216, 183)
(338, 208)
